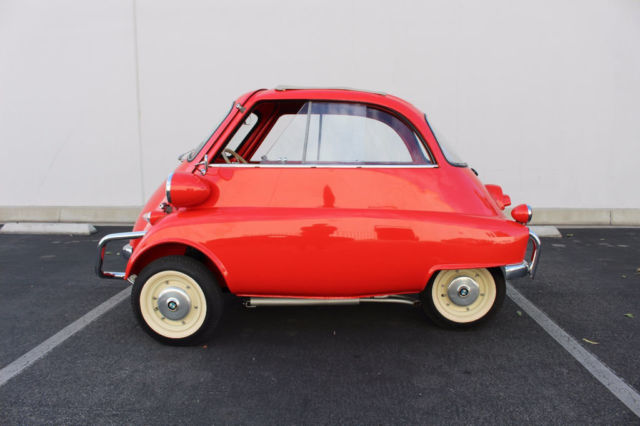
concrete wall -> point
(97, 98)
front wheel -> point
(463, 297)
(177, 300)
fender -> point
(447, 267)
(165, 236)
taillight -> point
(522, 213)
(186, 190)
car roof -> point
(284, 87)
(344, 94)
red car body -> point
(327, 231)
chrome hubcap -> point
(463, 291)
(174, 303)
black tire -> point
(439, 319)
(206, 282)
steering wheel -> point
(237, 156)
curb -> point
(47, 228)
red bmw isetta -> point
(321, 196)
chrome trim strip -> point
(330, 166)
(253, 302)
(167, 188)
(403, 300)
(284, 88)
(101, 250)
(523, 268)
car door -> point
(327, 204)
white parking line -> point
(20, 364)
(616, 385)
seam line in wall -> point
(138, 105)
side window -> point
(285, 141)
(242, 132)
(340, 133)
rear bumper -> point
(102, 245)
(525, 267)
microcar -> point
(307, 196)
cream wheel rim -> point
(173, 304)
(464, 295)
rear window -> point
(449, 154)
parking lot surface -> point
(368, 364)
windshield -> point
(190, 155)
(452, 157)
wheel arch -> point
(177, 248)
(433, 271)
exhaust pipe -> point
(254, 302)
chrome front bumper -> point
(102, 245)
(525, 267)
(127, 251)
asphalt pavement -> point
(370, 364)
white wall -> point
(542, 97)
(68, 118)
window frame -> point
(249, 133)
(194, 153)
(420, 139)
(443, 149)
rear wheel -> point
(177, 300)
(463, 297)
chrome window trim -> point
(331, 166)
(195, 151)
(444, 151)
(284, 88)
(167, 187)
